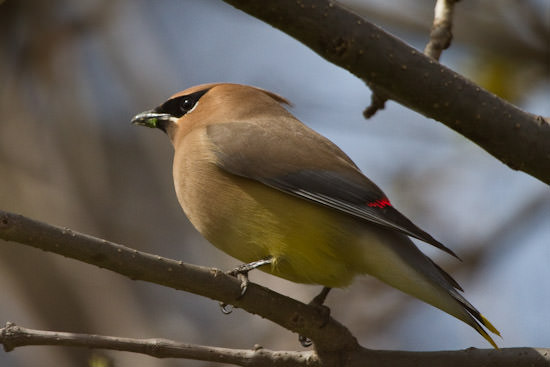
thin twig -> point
(440, 39)
(13, 336)
(377, 102)
(441, 32)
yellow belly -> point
(250, 221)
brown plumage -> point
(258, 183)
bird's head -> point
(208, 104)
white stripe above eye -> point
(176, 119)
(192, 109)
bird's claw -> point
(225, 308)
(317, 302)
(241, 273)
(243, 277)
(305, 341)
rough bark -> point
(334, 344)
(517, 138)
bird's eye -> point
(179, 106)
(186, 105)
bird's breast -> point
(250, 221)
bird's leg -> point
(241, 272)
(317, 301)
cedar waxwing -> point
(266, 189)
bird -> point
(273, 193)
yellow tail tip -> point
(490, 340)
(489, 326)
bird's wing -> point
(307, 165)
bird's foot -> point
(317, 301)
(241, 273)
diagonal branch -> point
(517, 138)
(293, 315)
(440, 39)
(333, 342)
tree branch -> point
(12, 336)
(441, 32)
(517, 138)
(440, 39)
(309, 321)
(334, 345)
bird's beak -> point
(150, 118)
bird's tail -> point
(477, 320)
(395, 260)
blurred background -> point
(73, 73)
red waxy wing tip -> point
(380, 203)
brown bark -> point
(334, 344)
(395, 70)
